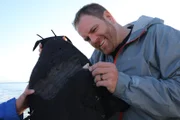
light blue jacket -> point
(149, 71)
(8, 110)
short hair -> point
(92, 9)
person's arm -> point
(158, 97)
(8, 110)
(13, 109)
(21, 102)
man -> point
(139, 63)
(13, 109)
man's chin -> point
(106, 52)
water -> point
(10, 90)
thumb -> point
(30, 91)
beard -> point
(111, 38)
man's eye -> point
(87, 39)
(93, 30)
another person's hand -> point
(106, 74)
(21, 102)
(40, 48)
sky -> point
(21, 20)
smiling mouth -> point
(102, 43)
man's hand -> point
(21, 102)
(106, 74)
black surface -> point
(66, 91)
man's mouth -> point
(102, 43)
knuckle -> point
(93, 73)
(97, 78)
(96, 71)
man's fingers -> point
(107, 84)
(98, 71)
(103, 83)
(100, 65)
(105, 76)
(97, 78)
(100, 77)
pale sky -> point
(21, 20)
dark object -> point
(64, 90)
(43, 41)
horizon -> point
(22, 20)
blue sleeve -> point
(8, 110)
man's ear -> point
(107, 16)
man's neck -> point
(122, 43)
(122, 34)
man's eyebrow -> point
(90, 31)
(92, 28)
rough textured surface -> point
(66, 91)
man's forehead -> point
(86, 22)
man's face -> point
(101, 34)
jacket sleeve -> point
(158, 97)
(8, 110)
